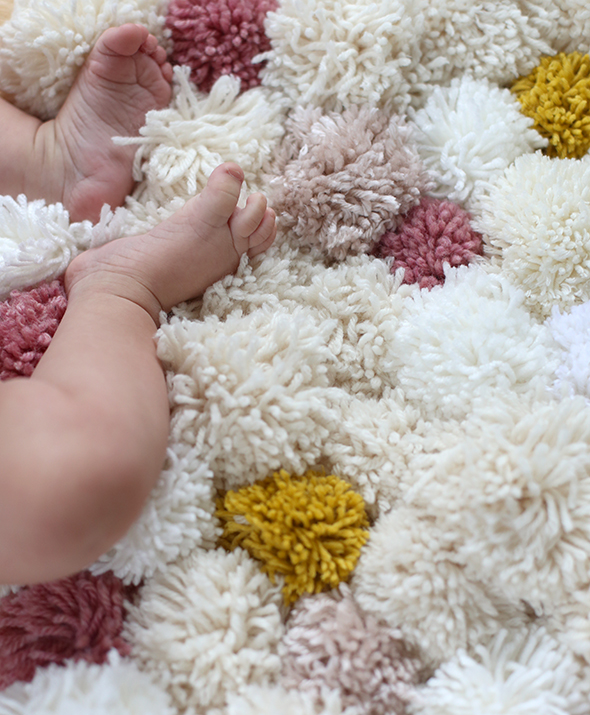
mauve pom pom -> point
(433, 233)
(79, 617)
(28, 321)
(343, 178)
(219, 37)
(330, 644)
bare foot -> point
(184, 255)
(125, 76)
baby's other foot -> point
(125, 76)
(180, 258)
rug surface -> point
(376, 497)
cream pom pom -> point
(117, 688)
(335, 54)
(180, 145)
(564, 24)
(342, 180)
(497, 41)
(44, 44)
(470, 132)
(287, 278)
(208, 625)
(571, 332)
(409, 576)
(37, 241)
(517, 673)
(463, 341)
(371, 445)
(537, 217)
(270, 700)
(569, 623)
(511, 482)
(251, 392)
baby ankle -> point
(93, 284)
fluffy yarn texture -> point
(521, 530)
(519, 672)
(28, 321)
(470, 132)
(116, 688)
(38, 241)
(329, 404)
(331, 645)
(345, 179)
(459, 413)
(259, 700)
(556, 96)
(467, 341)
(536, 216)
(442, 607)
(309, 529)
(498, 41)
(433, 233)
(336, 54)
(219, 37)
(179, 146)
(571, 332)
(207, 626)
(564, 23)
(242, 431)
(78, 618)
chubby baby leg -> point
(82, 442)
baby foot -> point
(125, 76)
(184, 255)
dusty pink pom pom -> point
(331, 644)
(218, 37)
(28, 321)
(433, 233)
(341, 179)
(80, 617)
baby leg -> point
(82, 442)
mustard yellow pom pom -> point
(556, 95)
(310, 529)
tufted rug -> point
(376, 496)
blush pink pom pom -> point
(80, 617)
(331, 645)
(218, 37)
(433, 233)
(28, 321)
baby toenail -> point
(236, 172)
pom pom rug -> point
(376, 495)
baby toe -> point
(124, 40)
(167, 71)
(159, 55)
(220, 196)
(246, 221)
(264, 235)
(150, 45)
